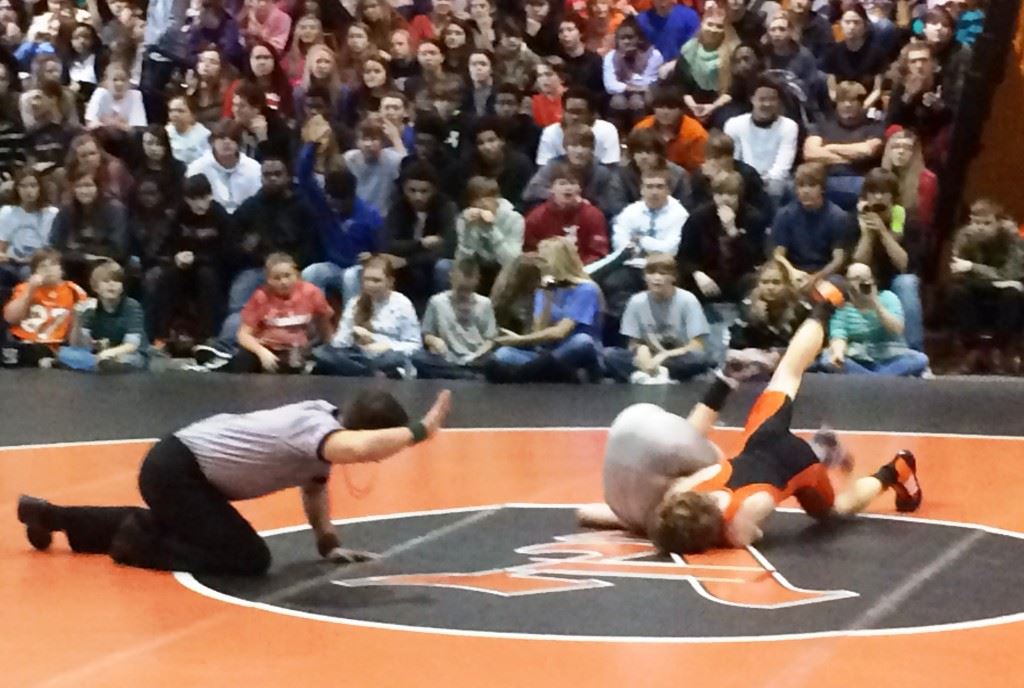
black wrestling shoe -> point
(907, 488)
(37, 515)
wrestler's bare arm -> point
(745, 527)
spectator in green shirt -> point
(110, 335)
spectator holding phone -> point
(866, 335)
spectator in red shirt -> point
(567, 214)
(547, 103)
(276, 322)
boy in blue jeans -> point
(110, 336)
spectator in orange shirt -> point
(683, 135)
(40, 312)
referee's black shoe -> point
(38, 517)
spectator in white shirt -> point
(653, 224)
(233, 175)
(577, 109)
(189, 139)
(764, 138)
(115, 104)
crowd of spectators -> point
(517, 190)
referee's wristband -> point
(419, 431)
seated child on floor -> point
(276, 322)
(40, 312)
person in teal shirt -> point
(866, 335)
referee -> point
(189, 479)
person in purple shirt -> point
(667, 26)
(189, 479)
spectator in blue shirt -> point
(566, 336)
(811, 235)
(347, 226)
(668, 26)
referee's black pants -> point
(189, 525)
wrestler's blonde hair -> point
(686, 523)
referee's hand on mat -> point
(330, 549)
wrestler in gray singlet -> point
(647, 449)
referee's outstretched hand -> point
(438, 413)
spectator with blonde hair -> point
(918, 186)
(110, 336)
(320, 71)
(769, 316)
(565, 340)
(703, 67)
(309, 32)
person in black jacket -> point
(492, 156)
(264, 132)
(429, 147)
(722, 244)
(583, 67)
(188, 268)
(150, 216)
(718, 152)
(90, 229)
(420, 229)
(521, 132)
(156, 163)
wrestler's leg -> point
(598, 516)
(900, 474)
(807, 342)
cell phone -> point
(865, 288)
